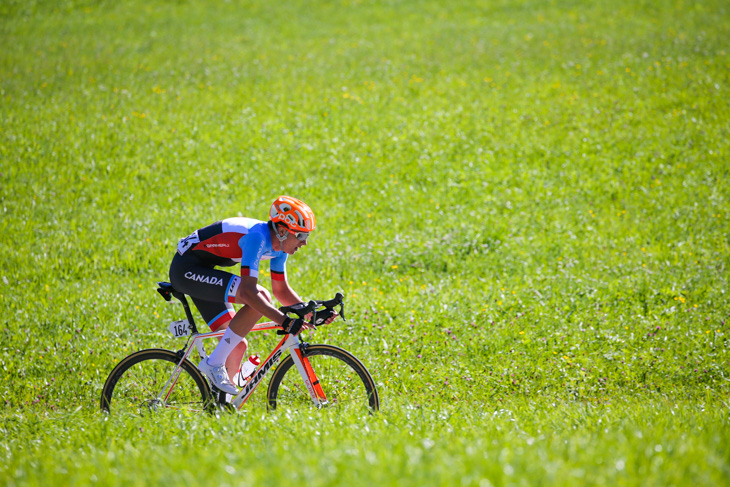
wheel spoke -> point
(132, 377)
(345, 382)
(143, 382)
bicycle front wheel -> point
(151, 381)
(345, 381)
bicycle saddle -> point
(166, 290)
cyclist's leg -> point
(248, 318)
(207, 286)
(220, 316)
(212, 291)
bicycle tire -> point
(345, 381)
(136, 384)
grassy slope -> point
(525, 203)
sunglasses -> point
(301, 236)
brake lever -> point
(341, 304)
(301, 310)
(342, 311)
(311, 307)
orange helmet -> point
(295, 214)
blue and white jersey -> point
(236, 240)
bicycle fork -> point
(308, 376)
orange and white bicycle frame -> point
(288, 342)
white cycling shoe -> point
(218, 376)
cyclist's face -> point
(294, 240)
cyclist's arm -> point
(284, 293)
(248, 293)
(279, 284)
(287, 296)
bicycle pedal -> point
(220, 396)
(226, 408)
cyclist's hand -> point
(325, 317)
(331, 318)
(293, 326)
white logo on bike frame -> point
(261, 373)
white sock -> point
(224, 348)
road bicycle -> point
(310, 375)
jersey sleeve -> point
(252, 248)
(278, 267)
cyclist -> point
(246, 241)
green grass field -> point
(525, 204)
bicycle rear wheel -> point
(346, 382)
(149, 381)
